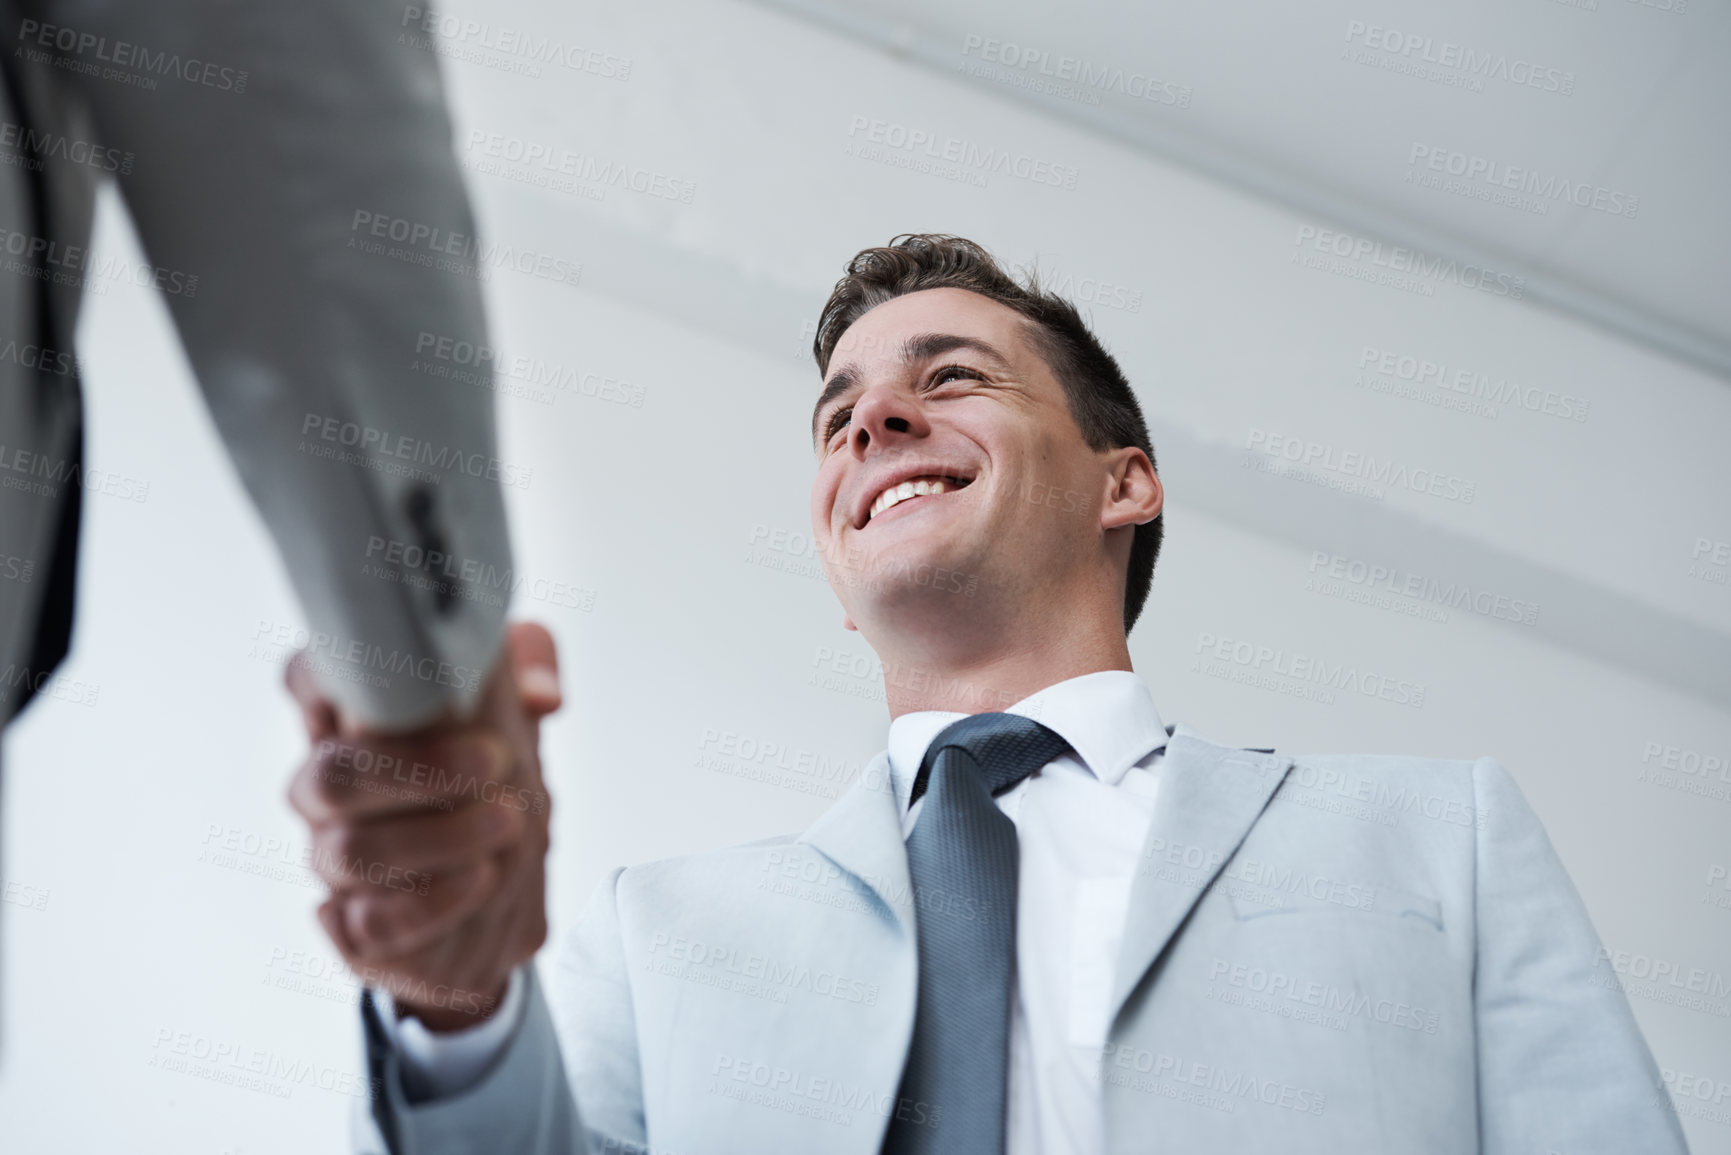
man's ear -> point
(1136, 496)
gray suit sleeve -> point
(523, 1106)
(290, 172)
(1562, 1063)
(527, 1104)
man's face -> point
(943, 390)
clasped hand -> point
(434, 842)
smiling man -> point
(1042, 920)
(976, 437)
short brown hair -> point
(1100, 399)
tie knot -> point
(1006, 748)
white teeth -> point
(896, 494)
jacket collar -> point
(862, 834)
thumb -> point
(534, 666)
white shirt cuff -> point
(436, 1065)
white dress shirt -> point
(1080, 823)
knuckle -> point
(332, 757)
(339, 843)
(372, 920)
(308, 791)
(503, 823)
(329, 792)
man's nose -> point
(883, 417)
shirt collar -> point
(1107, 717)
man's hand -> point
(434, 842)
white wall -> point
(116, 810)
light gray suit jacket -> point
(1323, 954)
(273, 157)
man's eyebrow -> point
(920, 347)
(924, 346)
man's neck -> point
(993, 679)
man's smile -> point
(908, 485)
(907, 491)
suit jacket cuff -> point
(521, 1104)
(439, 1065)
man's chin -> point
(904, 575)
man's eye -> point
(948, 373)
(836, 421)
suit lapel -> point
(1209, 798)
(862, 834)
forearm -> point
(309, 226)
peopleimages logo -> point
(34, 145)
(1453, 62)
(1083, 290)
(1710, 561)
(377, 447)
(1361, 258)
(1486, 179)
(50, 260)
(1364, 469)
(42, 475)
(1288, 671)
(276, 642)
(461, 360)
(1376, 578)
(567, 170)
(1687, 1094)
(531, 48)
(922, 149)
(87, 54)
(1471, 383)
(434, 247)
(1070, 77)
(1705, 774)
(1664, 980)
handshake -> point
(434, 842)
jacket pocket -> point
(1249, 902)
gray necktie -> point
(962, 860)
